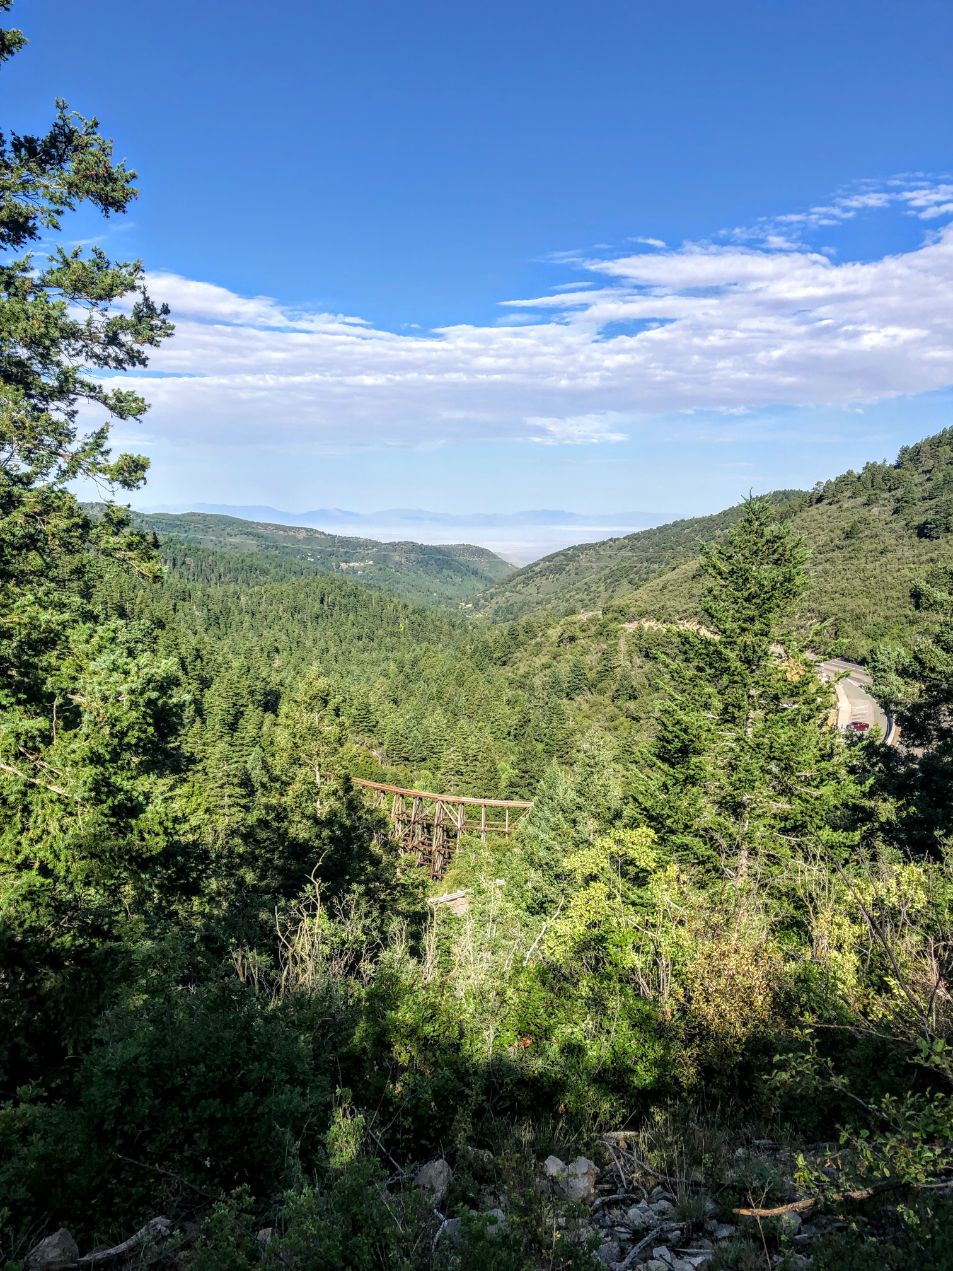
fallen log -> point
(155, 1229)
(861, 1193)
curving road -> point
(855, 705)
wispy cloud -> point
(922, 197)
(577, 430)
(756, 320)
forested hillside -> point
(871, 537)
(696, 1012)
(412, 696)
(441, 574)
(436, 701)
(590, 574)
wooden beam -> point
(467, 800)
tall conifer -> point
(746, 767)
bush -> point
(184, 1096)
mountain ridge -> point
(873, 536)
(445, 574)
(588, 575)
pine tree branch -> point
(44, 785)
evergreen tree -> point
(362, 717)
(355, 859)
(66, 669)
(746, 766)
(916, 685)
(608, 664)
(623, 688)
(556, 683)
(577, 678)
(231, 736)
(453, 770)
(89, 712)
(570, 809)
(405, 742)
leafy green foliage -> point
(915, 682)
(59, 327)
(90, 711)
(745, 765)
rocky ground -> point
(629, 1218)
(618, 1214)
(657, 1229)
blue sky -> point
(594, 255)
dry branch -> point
(807, 1203)
(154, 1230)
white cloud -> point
(209, 302)
(918, 196)
(699, 327)
(578, 430)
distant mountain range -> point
(322, 517)
(268, 551)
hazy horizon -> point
(518, 542)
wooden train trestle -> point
(432, 825)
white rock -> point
(434, 1177)
(584, 1233)
(723, 1230)
(663, 1254)
(480, 1157)
(449, 1231)
(580, 1179)
(656, 1264)
(663, 1208)
(58, 1250)
(553, 1167)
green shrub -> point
(186, 1095)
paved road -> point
(855, 705)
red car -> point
(857, 726)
